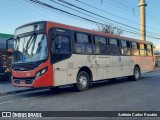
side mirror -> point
(55, 46)
(58, 45)
(55, 49)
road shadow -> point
(110, 82)
(71, 90)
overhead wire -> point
(41, 3)
(85, 14)
(91, 6)
(122, 6)
(68, 3)
(46, 5)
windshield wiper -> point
(16, 47)
(29, 43)
(34, 41)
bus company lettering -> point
(98, 60)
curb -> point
(20, 91)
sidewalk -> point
(7, 88)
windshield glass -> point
(30, 49)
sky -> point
(14, 13)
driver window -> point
(62, 44)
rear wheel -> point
(136, 74)
(82, 81)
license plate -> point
(22, 82)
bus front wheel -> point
(136, 74)
(82, 81)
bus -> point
(49, 54)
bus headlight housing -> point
(43, 71)
(40, 73)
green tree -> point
(108, 28)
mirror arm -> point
(7, 42)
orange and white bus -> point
(49, 54)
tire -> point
(136, 74)
(83, 81)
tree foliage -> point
(108, 28)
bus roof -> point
(60, 25)
(54, 24)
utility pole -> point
(142, 6)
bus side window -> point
(149, 50)
(125, 47)
(142, 49)
(113, 47)
(100, 45)
(83, 43)
(135, 50)
(61, 44)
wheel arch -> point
(88, 71)
(138, 67)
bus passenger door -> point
(60, 53)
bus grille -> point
(23, 80)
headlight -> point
(40, 73)
(43, 71)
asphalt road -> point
(117, 95)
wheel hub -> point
(137, 74)
(83, 81)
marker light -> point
(43, 71)
(40, 73)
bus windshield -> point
(30, 49)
